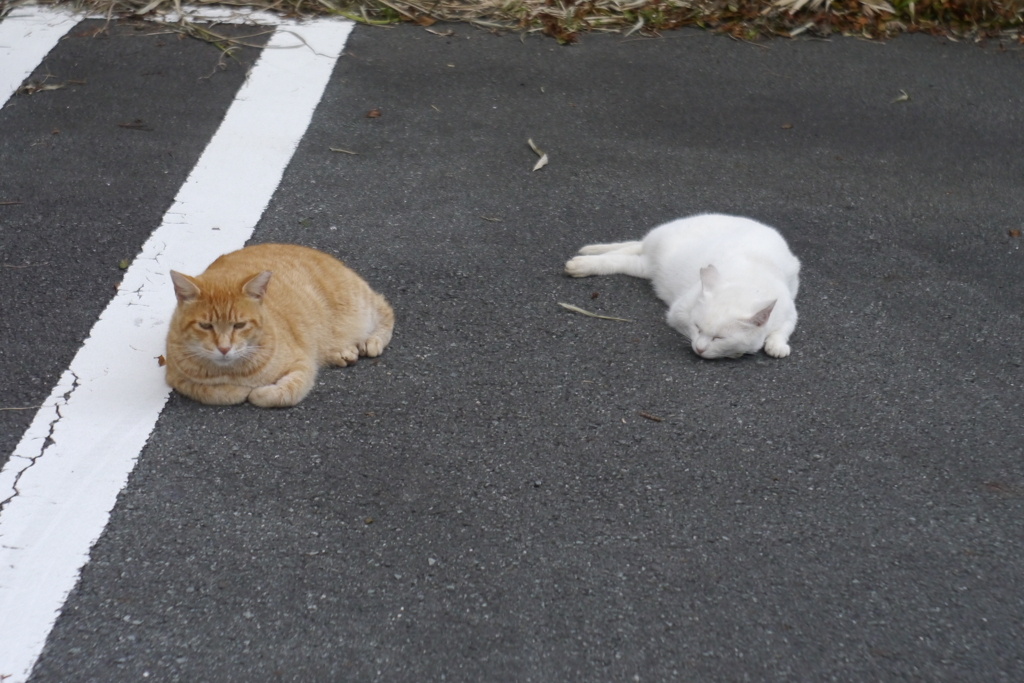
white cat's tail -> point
(632, 248)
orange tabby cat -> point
(260, 321)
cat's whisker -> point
(249, 350)
(193, 354)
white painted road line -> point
(79, 450)
(27, 35)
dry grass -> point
(566, 20)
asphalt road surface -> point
(491, 500)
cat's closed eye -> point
(206, 326)
(700, 331)
(239, 326)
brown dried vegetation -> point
(566, 20)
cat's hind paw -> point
(372, 347)
(776, 348)
(343, 357)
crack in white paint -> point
(38, 437)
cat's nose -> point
(224, 349)
(700, 350)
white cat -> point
(730, 282)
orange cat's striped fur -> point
(260, 321)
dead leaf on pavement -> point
(577, 309)
(373, 113)
(444, 34)
(91, 33)
(137, 124)
(161, 361)
(543, 161)
(904, 97)
(33, 88)
(1013, 233)
(997, 487)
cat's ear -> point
(761, 317)
(708, 277)
(256, 288)
(184, 288)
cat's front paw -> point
(776, 348)
(271, 396)
(577, 267)
(211, 394)
(228, 394)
